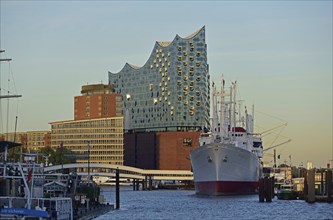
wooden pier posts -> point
(325, 192)
(310, 197)
(117, 190)
(329, 185)
(266, 189)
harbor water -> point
(184, 204)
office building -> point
(97, 101)
(101, 139)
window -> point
(187, 142)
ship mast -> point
(222, 110)
(7, 96)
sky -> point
(280, 53)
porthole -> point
(185, 78)
(179, 48)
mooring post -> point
(133, 184)
(322, 192)
(329, 184)
(117, 189)
(305, 189)
(268, 189)
(150, 183)
(137, 185)
(311, 186)
(261, 190)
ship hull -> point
(223, 169)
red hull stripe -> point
(225, 187)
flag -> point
(29, 175)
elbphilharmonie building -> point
(170, 92)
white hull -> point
(220, 169)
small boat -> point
(287, 191)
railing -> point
(109, 170)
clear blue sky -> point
(280, 52)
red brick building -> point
(160, 150)
(97, 101)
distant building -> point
(166, 103)
(171, 91)
(102, 137)
(19, 137)
(38, 140)
(33, 141)
(97, 127)
(97, 101)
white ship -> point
(228, 158)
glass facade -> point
(171, 91)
